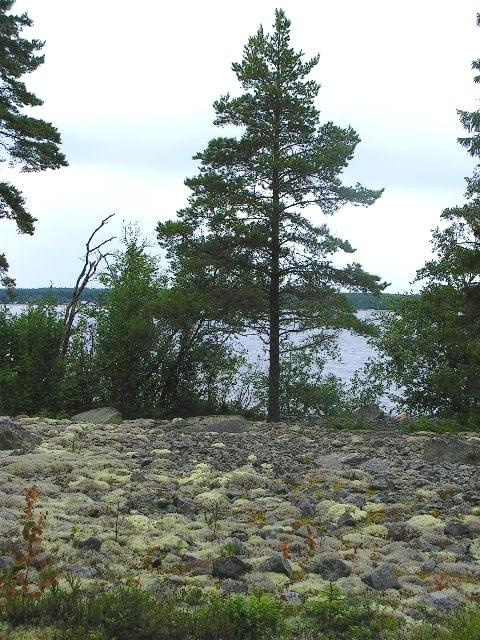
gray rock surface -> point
(330, 567)
(102, 415)
(15, 436)
(381, 578)
(370, 499)
(217, 424)
(458, 450)
(231, 567)
(276, 564)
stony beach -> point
(224, 503)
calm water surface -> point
(354, 350)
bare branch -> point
(93, 258)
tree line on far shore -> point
(96, 295)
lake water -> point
(354, 350)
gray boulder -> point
(233, 586)
(91, 544)
(276, 564)
(457, 450)
(373, 416)
(6, 562)
(217, 424)
(240, 549)
(330, 567)
(441, 601)
(457, 530)
(231, 567)
(102, 415)
(381, 578)
(14, 436)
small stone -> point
(346, 520)
(6, 562)
(441, 601)
(241, 535)
(184, 505)
(457, 530)
(233, 586)
(381, 578)
(331, 568)
(83, 572)
(91, 543)
(14, 436)
(398, 532)
(292, 597)
(235, 543)
(306, 506)
(429, 564)
(276, 564)
(103, 415)
(231, 567)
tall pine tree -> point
(245, 225)
(25, 141)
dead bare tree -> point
(94, 256)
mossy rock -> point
(102, 415)
(14, 436)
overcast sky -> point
(131, 85)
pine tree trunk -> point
(274, 338)
(274, 309)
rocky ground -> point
(223, 503)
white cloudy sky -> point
(131, 85)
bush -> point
(340, 617)
(131, 613)
(30, 367)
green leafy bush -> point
(30, 368)
(130, 612)
(340, 617)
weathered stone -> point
(381, 578)
(457, 530)
(330, 567)
(276, 564)
(82, 572)
(184, 505)
(102, 415)
(306, 506)
(459, 450)
(236, 544)
(231, 567)
(372, 415)
(346, 520)
(217, 424)
(377, 465)
(14, 436)
(92, 543)
(233, 586)
(441, 601)
(292, 597)
(6, 562)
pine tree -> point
(245, 224)
(28, 142)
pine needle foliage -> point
(245, 228)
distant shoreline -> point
(62, 295)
